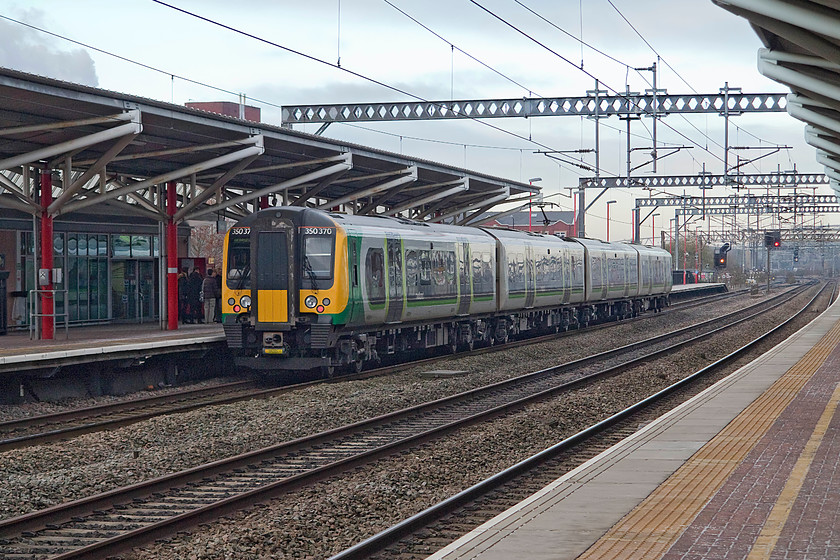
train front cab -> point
(284, 264)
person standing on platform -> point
(183, 293)
(218, 318)
(208, 287)
(194, 297)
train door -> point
(465, 291)
(273, 289)
(395, 281)
(530, 277)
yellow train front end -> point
(285, 290)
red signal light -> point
(776, 243)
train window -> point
(482, 273)
(375, 275)
(412, 273)
(273, 261)
(317, 257)
(238, 262)
(425, 268)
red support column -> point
(263, 202)
(47, 301)
(171, 260)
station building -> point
(107, 262)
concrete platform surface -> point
(746, 469)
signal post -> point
(772, 240)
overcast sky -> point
(702, 47)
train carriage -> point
(654, 271)
(310, 289)
(320, 289)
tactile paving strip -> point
(653, 526)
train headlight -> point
(310, 301)
(326, 301)
(231, 301)
(245, 301)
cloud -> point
(29, 50)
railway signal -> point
(720, 255)
(772, 239)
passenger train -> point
(307, 289)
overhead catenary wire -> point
(454, 47)
(498, 72)
(229, 92)
(336, 67)
(586, 72)
(674, 70)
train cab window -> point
(317, 259)
(239, 261)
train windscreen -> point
(318, 247)
(239, 259)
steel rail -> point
(395, 533)
(116, 415)
(436, 415)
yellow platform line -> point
(766, 541)
(654, 525)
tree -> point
(205, 242)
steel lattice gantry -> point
(771, 180)
(109, 150)
(629, 104)
(802, 51)
(745, 202)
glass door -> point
(146, 284)
(124, 290)
(133, 290)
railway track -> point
(445, 522)
(40, 429)
(102, 525)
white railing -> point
(34, 313)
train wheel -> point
(487, 339)
(327, 372)
(357, 365)
(501, 336)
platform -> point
(102, 342)
(746, 469)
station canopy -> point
(108, 147)
(802, 51)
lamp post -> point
(531, 181)
(653, 230)
(608, 217)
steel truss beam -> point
(743, 236)
(761, 210)
(629, 104)
(747, 202)
(699, 181)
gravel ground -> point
(25, 410)
(329, 517)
